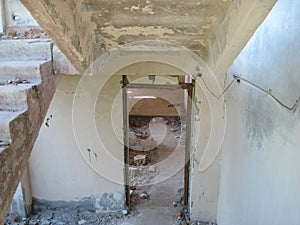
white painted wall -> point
(57, 168)
(60, 171)
(2, 16)
(200, 182)
(23, 16)
(260, 169)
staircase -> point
(26, 89)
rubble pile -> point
(141, 175)
(22, 33)
(141, 145)
(63, 218)
(182, 215)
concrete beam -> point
(241, 21)
(51, 19)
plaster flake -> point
(148, 10)
(116, 33)
(213, 19)
(201, 42)
(206, 26)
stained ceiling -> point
(84, 29)
(187, 23)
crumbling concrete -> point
(23, 118)
(84, 29)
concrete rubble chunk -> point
(152, 169)
(82, 222)
(144, 195)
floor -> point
(163, 188)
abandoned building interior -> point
(150, 112)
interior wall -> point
(61, 171)
(2, 17)
(260, 170)
(17, 15)
(204, 185)
(57, 169)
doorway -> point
(157, 122)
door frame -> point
(189, 86)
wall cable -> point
(236, 78)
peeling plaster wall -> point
(260, 170)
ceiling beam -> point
(52, 19)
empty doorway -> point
(157, 136)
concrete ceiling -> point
(216, 30)
(189, 24)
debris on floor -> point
(23, 33)
(145, 194)
(141, 175)
(4, 143)
(73, 218)
(14, 82)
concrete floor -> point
(159, 208)
(166, 186)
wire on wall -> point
(238, 79)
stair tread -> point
(14, 97)
(10, 88)
(23, 63)
(5, 118)
(26, 49)
(25, 70)
(29, 41)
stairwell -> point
(27, 85)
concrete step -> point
(5, 118)
(23, 70)
(26, 50)
(2, 148)
(14, 97)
